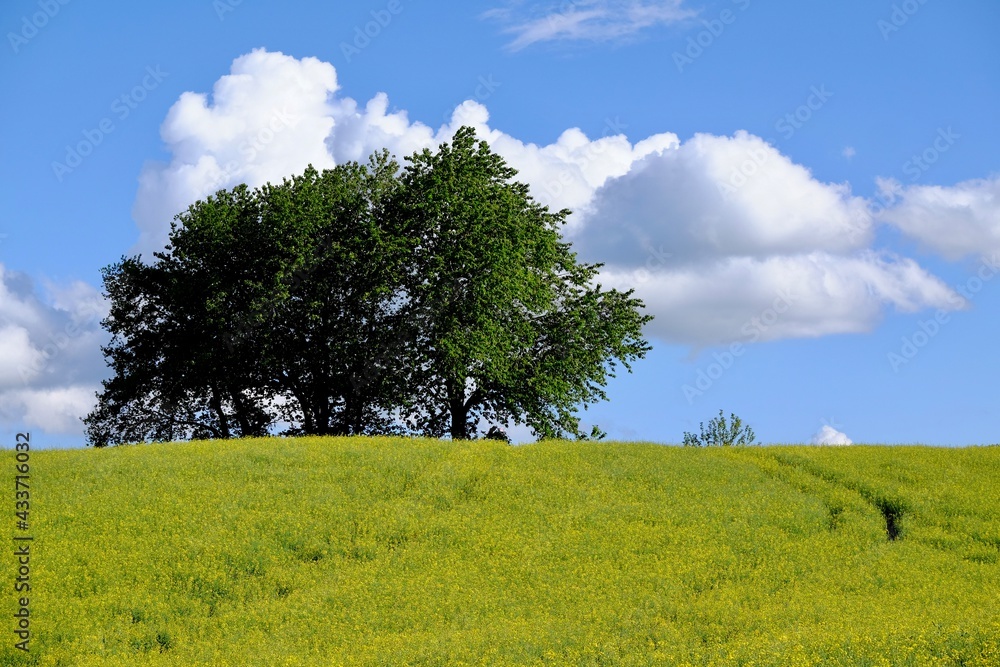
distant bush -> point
(595, 434)
(722, 434)
(496, 433)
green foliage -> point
(177, 370)
(518, 331)
(721, 434)
(595, 434)
(364, 299)
(378, 551)
(496, 433)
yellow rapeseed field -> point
(393, 551)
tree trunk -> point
(308, 421)
(353, 409)
(216, 402)
(242, 413)
(459, 416)
(458, 410)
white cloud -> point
(953, 221)
(266, 120)
(564, 174)
(19, 357)
(743, 299)
(710, 231)
(830, 436)
(726, 239)
(275, 114)
(50, 358)
(719, 197)
(54, 411)
(586, 20)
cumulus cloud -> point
(50, 358)
(56, 410)
(722, 197)
(274, 114)
(712, 232)
(742, 299)
(585, 20)
(566, 173)
(828, 435)
(955, 221)
(19, 355)
(726, 239)
(266, 120)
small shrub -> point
(595, 434)
(721, 434)
(497, 433)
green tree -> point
(337, 340)
(363, 299)
(513, 327)
(175, 372)
(268, 305)
(721, 433)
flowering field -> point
(387, 551)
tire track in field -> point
(892, 509)
(813, 487)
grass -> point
(387, 551)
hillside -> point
(389, 551)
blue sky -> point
(817, 183)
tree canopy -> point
(363, 299)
